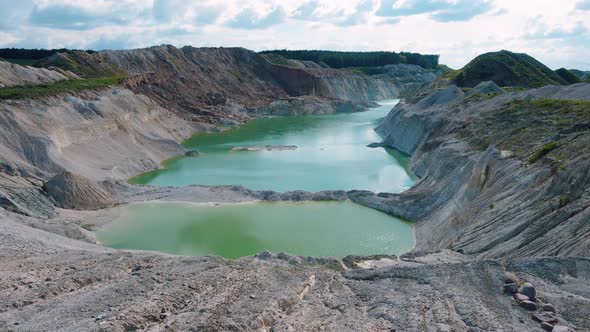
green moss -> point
(543, 151)
(41, 90)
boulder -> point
(510, 278)
(510, 288)
(72, 191)
(528, 305)
(548, 307)
(546, 326)
(545, 317)
(529, 290)
(521, 297)
(192, 153)
(264, 255)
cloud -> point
(344, 16)
(583, 5)
(14, 13)
(306, 10)
(439, 10)
(558, 33)
(184, 11)
(78, 17)
(250, 19)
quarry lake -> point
(331, 154)
(322, 229)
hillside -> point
(506, 68)
(583, 75)
(568, 76)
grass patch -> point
(543, 151)
(41, 90)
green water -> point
(324, 229)
(331, 155)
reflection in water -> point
(326, 229)
(331, 155)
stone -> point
(520, 297)
(192, 153)
(561, 328)
(294, 260)
(528, 305)
(546, 326)
(264, 255)
(548, 307)
(529, 290)
(510, 278)
(545, 317)
(510, 288)
(375, 145)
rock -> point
(264, 255)
(521, 297)
(528, 305)
(486, 88)
(510, 288)
(561, 328)
(192, 153)
(545, 316)
(375, 145)
(546, 326)
(511, 278)
(294, 260)
(529, 290)
(505, 154)
(72, 191)
(548, 307)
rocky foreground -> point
(53, 283)
(502, 206)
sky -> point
(556, 32)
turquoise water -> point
(331, 155)
(322, 229)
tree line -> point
(336, 59)
(31, 54)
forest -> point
(30, 54)
(336, 59)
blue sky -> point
(555, 32)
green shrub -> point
(544, 150)
(563, 200)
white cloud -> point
(555, 32)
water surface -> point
(322, 229)
(331, 155)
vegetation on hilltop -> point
(584, 76)
(506, 68)
(337, 59)
(31, 54)
(42, 90)
(83, 64)
(568, 76)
